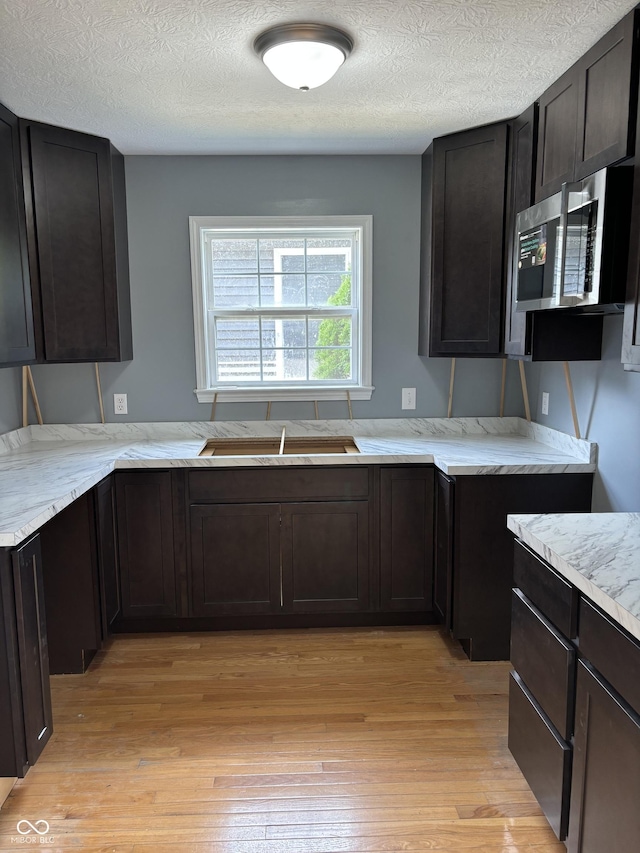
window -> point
(282, 307)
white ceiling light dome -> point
(303, 56)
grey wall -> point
(608, 405)
(162, 192)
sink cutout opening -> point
(271, 446)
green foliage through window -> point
(335, 363)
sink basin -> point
(271, 446)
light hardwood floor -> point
(281, 742)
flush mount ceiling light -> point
(303, 56)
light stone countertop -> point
(599, 553)
(45, 468)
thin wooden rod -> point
(503, 386)
(25, 410)
(349, 404)
(213, 406)
(99, 387)
(315, 405)
(34, 395)
(572, 401)
(269, 410)
(452, 380)
(525, 393)
(282, 438)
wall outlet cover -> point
(408, 398)
(120, 404)
(544, 408)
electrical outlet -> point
(408, 398)
(120, 404)
(544, 408)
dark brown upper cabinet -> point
(17, 344)
(77, 228)
(463, 249)
(631, 328)
(520, 193)
(587, 117)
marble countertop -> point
(599, 553)
(45, 468)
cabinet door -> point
(17, 343)
(235, 559)
(469, 184)
(631, 328)
(325, 556)
(406, 539)
(443, 575)
(75, 244)
(32, 647)
(104, 496)
(145, 544)
(607, 93)
(522, 157)
(556, 153)
(70, 568)
(605, 790)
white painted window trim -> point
(205, 390)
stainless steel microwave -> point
(571, 249)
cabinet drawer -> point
(550, 593)
(542, 756)
(545, 661)
(278, 484)
(611, 651)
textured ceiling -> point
(180, 76)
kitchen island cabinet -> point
(25, 697)
(583, 766)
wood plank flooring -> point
(363, 741)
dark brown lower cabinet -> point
(325, 556)
(71, 587)
(406, 538)
(542, 755)
(235, 559)
(482, 548)
(272, 558)
(443, 574)
(605, 790)
(146, 544)
(25, 698)
(108, 570)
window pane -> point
(328, 255)
(330, 364)
(329, 289)
(234, 256)
(282, 290)
(285, 365)
(238, 334)
(238, 365)
(284, 333)
(282, 255)
(330, 332)
(235, 291)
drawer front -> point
(275, 484)
(542, 756)
(545, 661)
(550, 593)
(611, 651)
